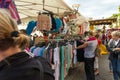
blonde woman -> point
(14, 63)
(114, 49)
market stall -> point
(54, 28)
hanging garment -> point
(65, 61)
(65, 29)
(53, 22)
(68, 55)
(46, 54)
(57, 63)
(58, 24)
(43, 22)
(4, 3)
(30, 27)
(32, 49)
(10, 5)
(41, 51)
(36, 51)
(75, 53)
(62, 51)
(51, 56)
(81, 29)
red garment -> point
(45, 38)
(91, 39)
(103, 37)
(0, 1)
(99, 41)
(109, 37)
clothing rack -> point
(70, 37)
(53, 41)
(60, 54)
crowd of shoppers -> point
(92, 53)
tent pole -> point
(58, 10)
(43, 4)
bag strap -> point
(117, 44)
(41, 70)
(40, 66)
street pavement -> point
(78, 72)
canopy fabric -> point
(31, 8)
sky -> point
(97, 9)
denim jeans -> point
(116, 68)
(110, 66)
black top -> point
(113, 54)
(21, 67)
(80, 52)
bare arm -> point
(82, 46)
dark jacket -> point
(21, 67)
(113, 54)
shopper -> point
(14, 63)
(110, 64)
(98, 54)
(103, 38)
(89, 55)
(114, 49)
(109, 36)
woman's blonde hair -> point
(116, 33)
(7, 26)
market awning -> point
(103, 21)
(31, 8)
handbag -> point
(98, 51)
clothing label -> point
(53, 67)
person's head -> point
(97, 36)
(86, 33)
(23, 31)
(90, 34)
(103, 32)
(9, 35)
(116, 35)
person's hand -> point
(75, 48)
(116, 49)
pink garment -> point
(43, 22)
(81, 29)
(73, 16)
(13, 10)
(10, 5)
(27, 49)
